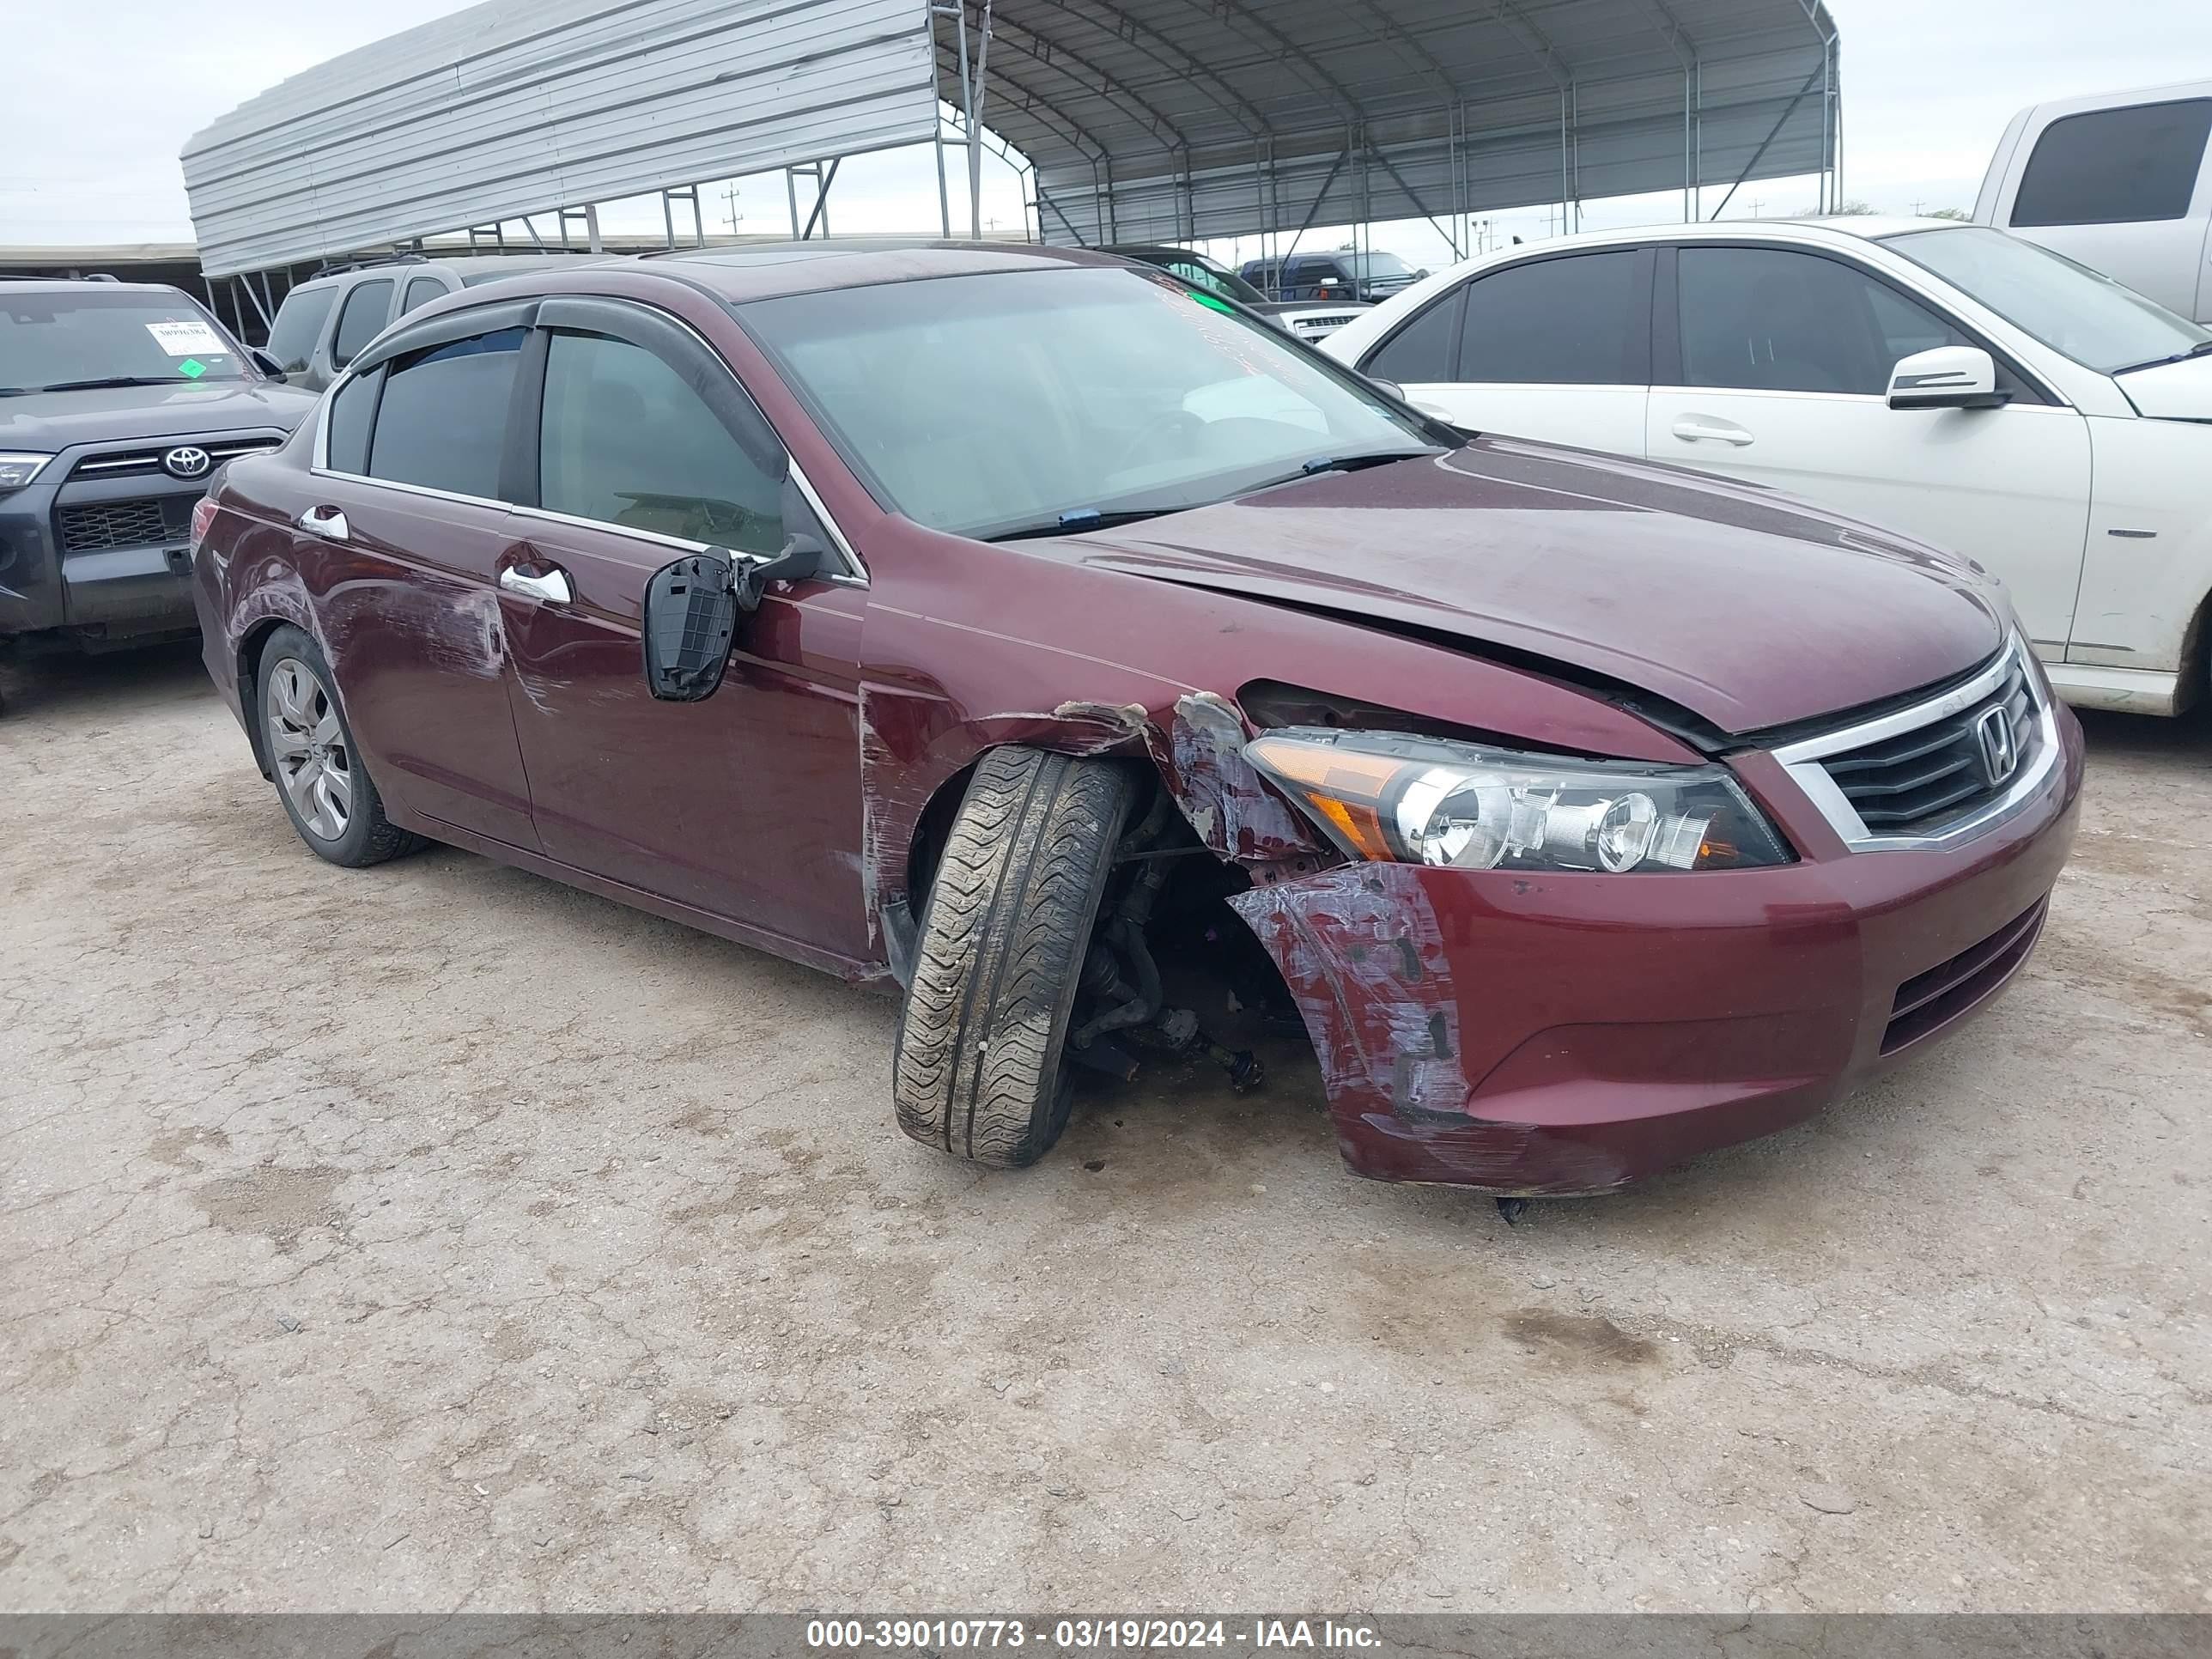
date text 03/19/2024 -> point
(939, 1634)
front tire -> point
(978, 1070)
(317, 767)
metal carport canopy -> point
(1176, 120)
(1142, 119)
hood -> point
(1748, 609)
(50, 421)
(2172, 391)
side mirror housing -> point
(690, 618)
(692, 607)
(1949, 377)
(1387, 388)
(269, 368)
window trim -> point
(528, 396)
(607, 316)
(2188, 206)
(2033, 390)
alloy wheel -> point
(308, 750)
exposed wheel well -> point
(251, 645)
(2194, 679)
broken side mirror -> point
(801, 557)
(690, 618)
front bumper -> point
(1566, 1034)
(97, 545)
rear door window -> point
(1425, 352)
(624, 441)
(2111, 167)
(442, 423)
(362, 318)
(1558, 322)
(300, 322)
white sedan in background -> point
(1972, 389)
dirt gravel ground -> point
(435, 1238)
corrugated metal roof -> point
(1159, 117)
(519, 106)
(1167, 119)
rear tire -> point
(978, 1069)
(320, 777)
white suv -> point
(1970, 388)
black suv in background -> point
(1343, 275)
(118, 401)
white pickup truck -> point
(2121, 182)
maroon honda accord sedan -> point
(992, 623)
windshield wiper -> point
(1076, 521)
(2202, 348)
(1321, 464)
(110, 380)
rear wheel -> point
(978, 1070)
(326, 790)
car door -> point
(1773, 364)
(1555, 348)
(400, 547)
(746, 805)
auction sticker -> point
(182, 339)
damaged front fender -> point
(1365, 954)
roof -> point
(12, 285)
(517, 106)
(1165, 119)
(1146, 120)
(484, 266)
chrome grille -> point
(135, 462)
(1939, 771)
(147, 522)
(1922, 778)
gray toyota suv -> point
(117, 403)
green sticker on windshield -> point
(1208, 300)
(192, 368)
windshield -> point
(2069, 308)
(1370, 266)
(979, 404)
(62, 339)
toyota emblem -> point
(1993, 739)
(189, 461)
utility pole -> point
(730, 195)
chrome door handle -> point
(325, 522)
(1696, 428)
(552, 588)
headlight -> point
(17, 468)
(1423, 800)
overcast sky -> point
(98, 96)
